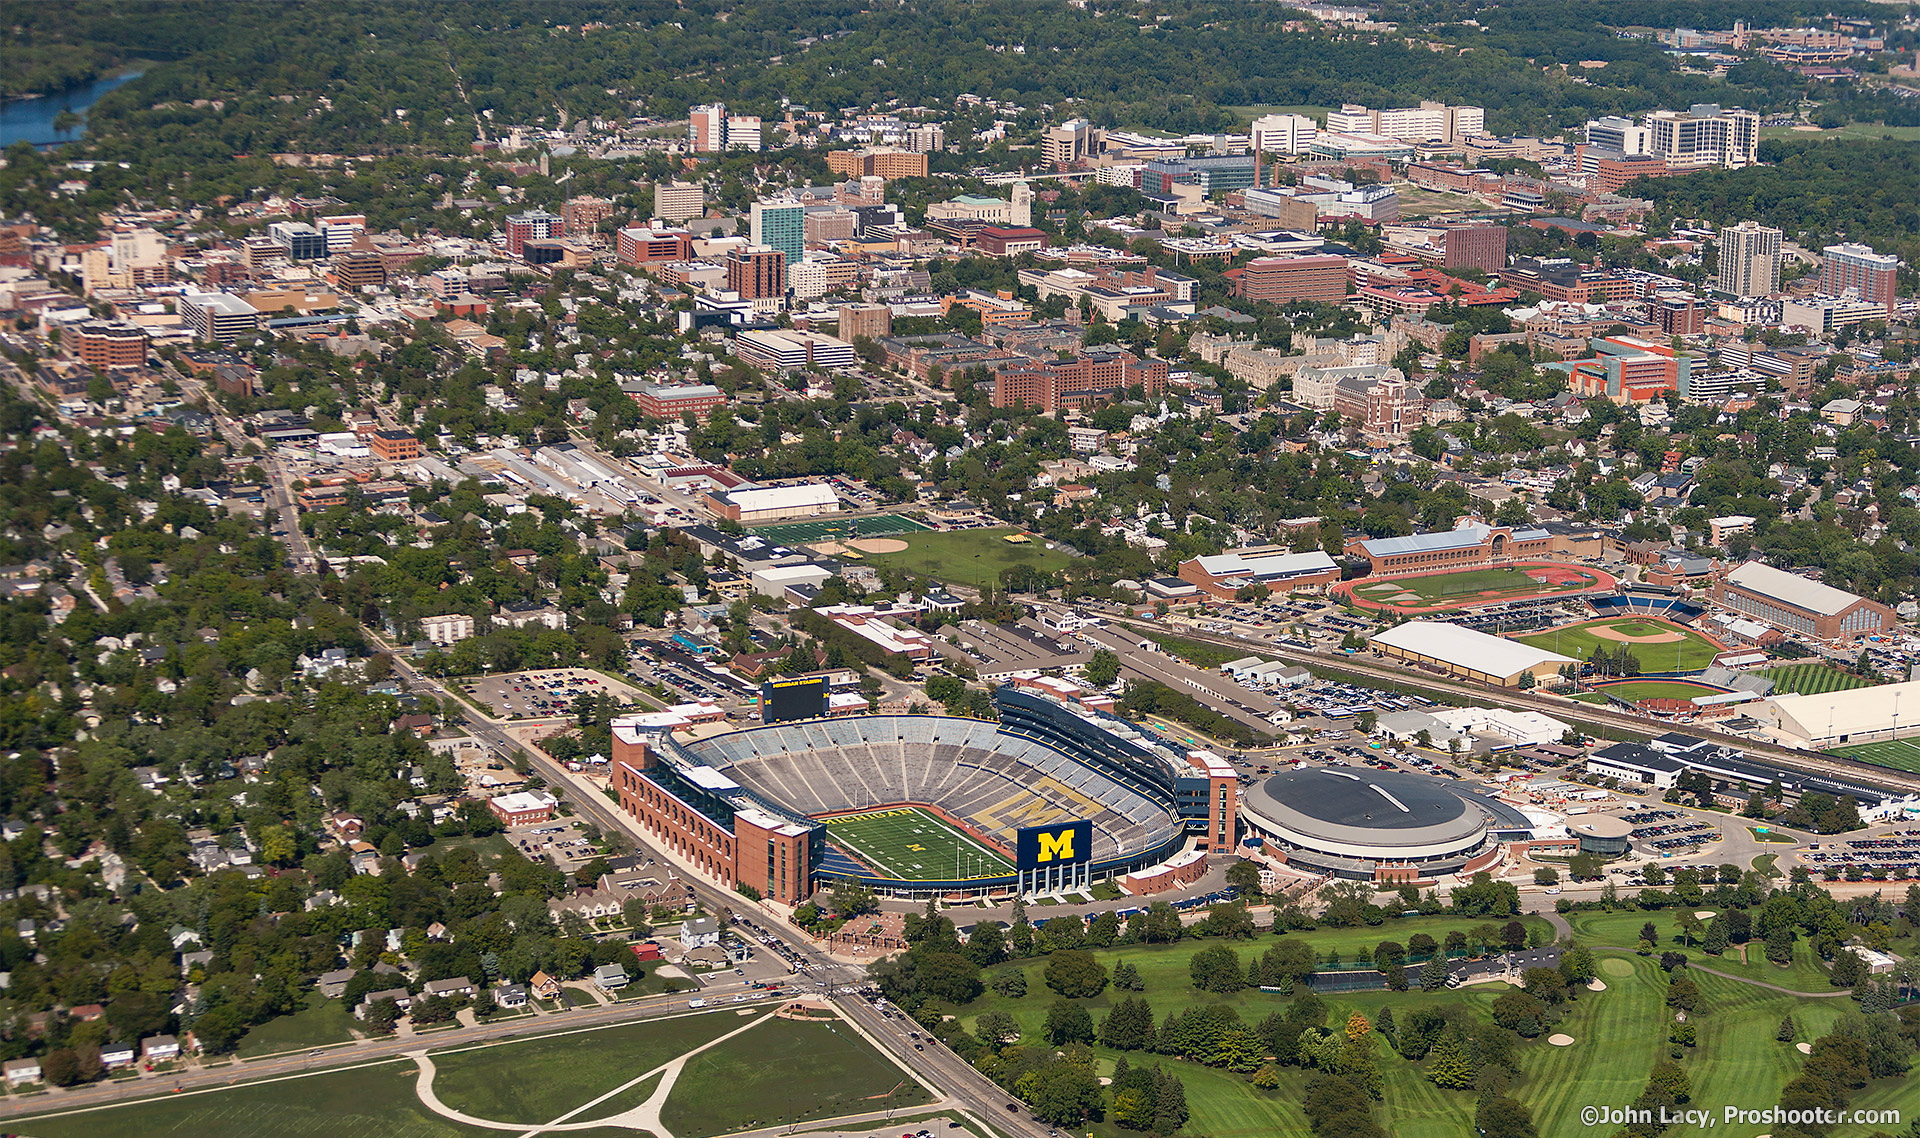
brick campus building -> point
(1793, 603)
(1090, 378)
(685, 805)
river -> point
(32, 118)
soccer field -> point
(1811, 679)
(911, 844)
(837, 529)
(1900, 754)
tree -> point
(987, 945)
(1501, 1117)
(1433, 976)
(1244, 876)
(1129, 1027)
(1671, 1079)
(1546, 875)
(1520, 1012)
(1683, 993)
(996, 1028)
(1102, 669)
(1448, 1065)
(849, 898)
(1127, 978)
(1068, 1022)
(1012, 984)
(1076, 974)
(1217, 969)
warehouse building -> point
(1793, 603)
(1461, 651)
(755, 505)
(1274, 566)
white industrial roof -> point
(1463, 647)
(783, 497)
(1792, 588)
(1855, 711)
(1279, 563)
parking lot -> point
(542, 694)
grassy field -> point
(1622, 929)
(1852, 132)
(1193, 651)
(1656, 689)
(970, 556)
(1900, 754)
(367, 1102)
(781, 1072)
(542, 1079)
(1811, 679)
(911, 844)
(826, 529)
(320, 1023)
(1442, 586)
(1692, 652)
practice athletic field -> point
(1633, 691)
(1660, 645)
(911, 844)
(1900, 754)
(837, 529)
(1473, 588)
(1811, 679)
(973, 557)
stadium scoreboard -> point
(1052, 847)
(784, 700)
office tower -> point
(780, 224)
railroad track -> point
(1593, 715)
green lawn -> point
(542, 1079)
(320, 1023)
(1193, 651)
(1444, 586)
(1693, 652)
(972, 557)
(1900, 754)
(1852, 132)
(911, 844)
(367, 1102)
(1811, 679)
(784, 1071)
(1622, 928)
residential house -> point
(333, 985)
(510, 996)
(610, 977)
(699, 932)
(21, 1071)
(159, 1049)
(449, 988)
(545, 987)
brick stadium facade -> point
(759, 850)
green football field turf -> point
(1811, 679)
(1656, 689)
(1900, 754)
(911, 844)
(836, 529)
(1689, 654)
(1469, 582)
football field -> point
(911, 844)
(1900, 754)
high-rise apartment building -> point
(1856, 268)
(678, 201)
(707, 128)
(780, 224)
(533, 225)
(757, 273)
(926, 137)
(1749, 260)
(1283, 134)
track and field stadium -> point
(1448, 590)
(911, 805)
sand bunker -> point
(1605, 633)
(1803, 1048)
(1705, 914)
(1596, 985)
(1560, 1040)
(879, 545)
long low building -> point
(1472, 655)
(1793, 603)
(750, 505)
(1467, 546)
(786, 350)
(1839, 718)
(1222, 575)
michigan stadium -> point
(1057, 795)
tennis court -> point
(911, 844)
(839, 529)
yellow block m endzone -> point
(1058, 846)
